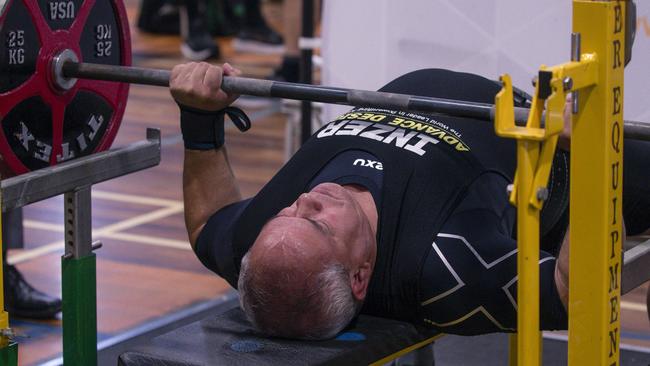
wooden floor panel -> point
(35, 238)
(157, 291)
(129, 293)
(48, 345)
(153, 256)
(171, 227)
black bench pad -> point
(229, 339)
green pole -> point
(8, 352)
(79, 311)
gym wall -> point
(366, 43)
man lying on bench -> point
(384, 212)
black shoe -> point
(259, 39)
(199, 48)
(24, 301)
(197, 43)
(288, 71)
(158, 17)
(221, 20)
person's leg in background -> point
(292, 21)
(21, 299)
(188, 18)
(197, 43)
(289, 70)
(255, 35)
(158, 16)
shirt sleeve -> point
(214, 245)
(472, 268)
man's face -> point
(326, 222)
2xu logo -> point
(369, 164)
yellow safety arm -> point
(536, 143)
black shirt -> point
(467, 284)
(469, 279)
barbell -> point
(69, 70)
(42, 79)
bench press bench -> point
(229, 339)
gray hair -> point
(318, 311)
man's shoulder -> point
(214, 246)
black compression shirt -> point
(468, 282)
(472, 268)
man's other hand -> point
(198, 85)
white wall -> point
(366, 43)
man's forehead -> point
(294, 226)
(289, 233)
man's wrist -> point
(200, 146)
(202, 130)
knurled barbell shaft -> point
(317, 93)
(278, 89)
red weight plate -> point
(82, 120)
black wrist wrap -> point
(204, 130)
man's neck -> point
(366, 202)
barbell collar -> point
(61, 81)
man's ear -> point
(359, 280)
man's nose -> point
(307, 205)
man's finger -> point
(178, 73)
(198, 75)
(213, 78)
(229, 70)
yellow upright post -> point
(596, 189)
(535, 146)
(535, 149)
(529, 352)
(512, 349)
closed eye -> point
(324, 229)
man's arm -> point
(208, 181)
(208, 185)
(562, 272)
(564, 141)
(562, 264)
(562, 269)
